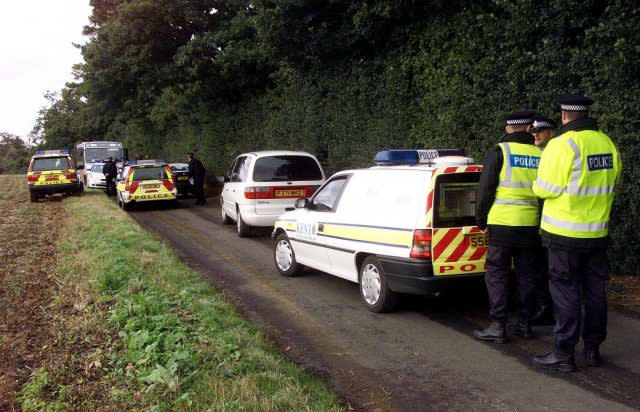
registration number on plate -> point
(290, 193)
(152, 186)
(478, 240)
(183, 177)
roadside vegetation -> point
(344, 79)
(134, 328)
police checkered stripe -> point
(518, 121)
(539, 124)
(574, 107)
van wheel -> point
(242, 228)
(33, 197)
(374, 290)
(284, 257)
(226, 220)
(123, 205)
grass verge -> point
(150, 333)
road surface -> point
(422, 357)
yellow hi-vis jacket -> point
(515, 203)
(577, 176)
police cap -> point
(519, 118)
(542, 123)
(190, 154)
(575, 102)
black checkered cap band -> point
(574, 107)
(518, 121)
(538, 124)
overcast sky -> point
(36, 55)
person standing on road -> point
(542, 129)
(577, 177)
(110, 172)
(196, 175)
(508, 210)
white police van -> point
(405, 225)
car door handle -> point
(320, 227)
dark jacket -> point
(499, 235)
(110, 169)
(554, 241)
(196, 170)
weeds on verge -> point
(176, 344)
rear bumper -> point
(127, 198)
(406, 275)
(60, 188)
(251, 218)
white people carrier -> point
(260, 186)
(405, 225)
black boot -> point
(544, 316)
(522, 329)
(553, 360)
(592, 356)
(494, 333)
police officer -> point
(542, 129)
(110, 172)
(196, 174)
(577, 176)
(509, 211)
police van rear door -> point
(458, 247)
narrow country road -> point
(421, 357)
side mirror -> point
(125, 154)
(302, 203)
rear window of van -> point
(50, 163)
(286, 168)
(455, 200)
(149, 173)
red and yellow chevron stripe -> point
(454, 253)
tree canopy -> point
(343, 79)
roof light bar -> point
(413, 157)
(52, 152)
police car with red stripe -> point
(406, 225)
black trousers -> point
(499, 262)
(198, 189)
(542, 280)
(573, 272)
(111, 186)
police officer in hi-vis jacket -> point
(508, 209)
(577, 176)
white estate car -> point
(260, 186)
(95, 178)
(404, 226)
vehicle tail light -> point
(71, 176)
(258, 192)
(33, 177)
(421, 248)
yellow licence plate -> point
(290, 193)
(151, 187)
(183, 178)
(478, 240)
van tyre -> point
(242, 228)
(226, 220)
(284, 257)
(374, 289)
(33, 197)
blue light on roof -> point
(413, 157)
(52, 152)
(145, 162)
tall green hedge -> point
(344, 79)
